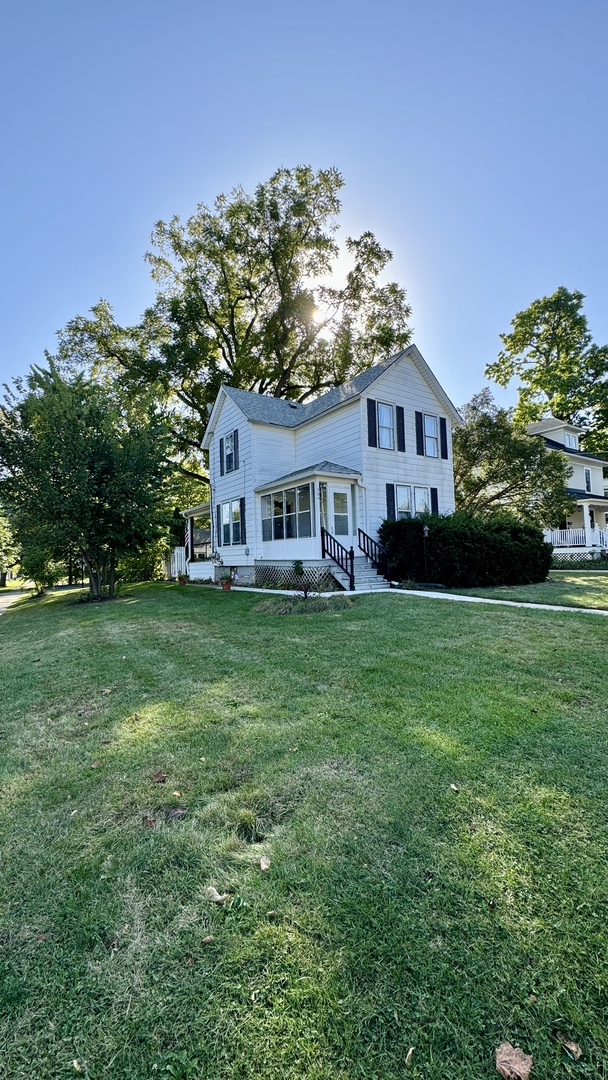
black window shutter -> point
(400, 429)
(243, 531)
(434, 501)
(219, 525)
(390, 502)
(372, 427)
(236, 448)
(419, 434)
(443, 437)
(221, 457)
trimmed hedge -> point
(466, 550)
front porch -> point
(586, 530)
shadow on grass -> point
(396, 912)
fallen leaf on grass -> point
(532, 999)
(107, 690)
(212, 896)
(176, 793)
(410, 1054)
(160, 777)
(569, 1045)
(207, 940)
(76, 1065)
(96, 764)
(264, 863)
(176, 813)
(149, 822)
(189, 962)
(454, 788)
(512, 1063)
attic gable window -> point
(571, 441)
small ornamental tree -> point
(77, 475)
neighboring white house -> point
(313, 481)
(587, 527)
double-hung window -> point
(231, 522)
(225, 523)
(431, 436)
(571, 441)
(588, 480)
(403, 501)
(229, 452)
(386, 432)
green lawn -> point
(396, 912)
(572, 590)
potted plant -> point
(182, 579)
(226, 582)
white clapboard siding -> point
(233, 485)
(403, 385)
(335, 437)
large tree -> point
(78, 475)
(498, 466)
(248, 294)
(559, 368)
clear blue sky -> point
(472, 137)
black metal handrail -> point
(374, 551)
(345, 559)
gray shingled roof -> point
(271, 410)
(553, 445)
(586, 495)
(322, 467)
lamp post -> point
(425, 533)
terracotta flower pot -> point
(227, 585)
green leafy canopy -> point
(559, 368)
(248, 294)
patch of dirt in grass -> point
(297, 605)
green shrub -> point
(146, 565)
(299, 605)
(465, 550)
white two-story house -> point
(313, 481)
(587, 527)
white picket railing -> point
(577, 537)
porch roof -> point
(197, 511)
(586, 496)
(322, 468)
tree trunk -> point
(112, 573)
(3, 574)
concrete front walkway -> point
(7, 597)
(432, 595)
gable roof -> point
(322, 468)
(264, 409)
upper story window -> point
(571, 441)
(431, 436)
(588, 480)
(385, 425)
(386, 431)
(229, 452)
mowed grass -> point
(571, 590)
(396, 912)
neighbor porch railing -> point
(578, 537)
(345, 559)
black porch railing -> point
(374, 551)
(345, 559)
